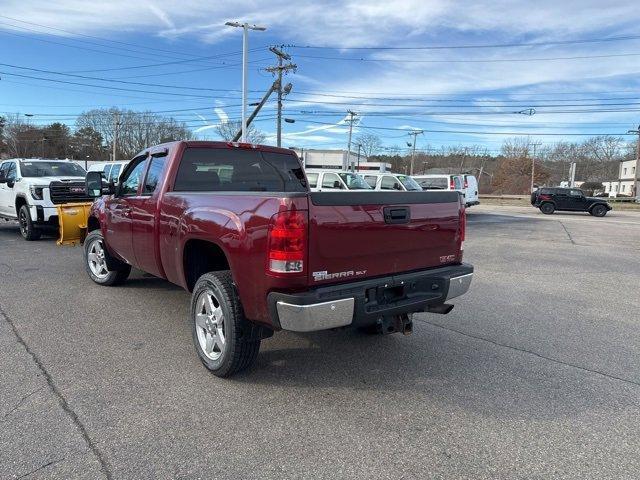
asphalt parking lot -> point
(534, 374)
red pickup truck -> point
(237, 225)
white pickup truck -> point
(30, 190)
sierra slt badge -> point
(318, 276)
(447, 258)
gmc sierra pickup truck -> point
(236, 225)
(31, 189)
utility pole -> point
(415, 134)
(637, 174)
(245, 74)
(359, 147)
(116, 124)
(533, 163)
(278, 71)
(345, 160)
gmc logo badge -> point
(76, 189)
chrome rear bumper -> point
(317, 316)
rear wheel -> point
(221, 333)
(95, 262)
(27, 229)
(547, 208)
(598, 210)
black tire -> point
(109, 276)
(27, 228)
(547, 208)
(239, 350)
(598, 210)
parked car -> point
(262, 253)
(470, 190)
(332, 181)
(391, 181)
(548, 200)
(110, 170)
(30, 190)
(441, 182)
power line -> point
(490, 45)
(493, 60)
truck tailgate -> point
(356, 235)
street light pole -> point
(245, 74)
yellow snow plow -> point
(72, 219)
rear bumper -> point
(472, 203)
(363, 303)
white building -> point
(624, 184)
(334, 159)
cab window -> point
(154, 174)
(132, 177)
(313, 179)
(371, 180)
(575, 193)
(390, 183)
(329, 181)
(115, 172)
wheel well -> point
(201, 257)
(92, 224)
(20, 201)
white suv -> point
(31, 189)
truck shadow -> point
(432, 365)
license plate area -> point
(388, 296)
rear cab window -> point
(205, 169)
(434, 183)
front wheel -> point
(95, 262)
(547, 208)
(221, 333)
(598, 211)
(27, 229)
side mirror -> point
(93, 184)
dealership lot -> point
(534, 374)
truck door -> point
(144, 209)
(576, 200)
(119, 234)
(7, 195)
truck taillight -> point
(466, 183)
(287, 242)
(452, 186)
(544, 197)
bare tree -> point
(369, 144)
(228, 130)
(136, 130)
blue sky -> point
(576, 63)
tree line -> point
(507, 171)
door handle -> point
(396, 215)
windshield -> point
(409, 183)
(434, 183)
(51, 169)
(354, 182)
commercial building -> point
(335, 159)
(624, 185)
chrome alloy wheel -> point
(210, 325)
(22, 218)
(96, 260)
